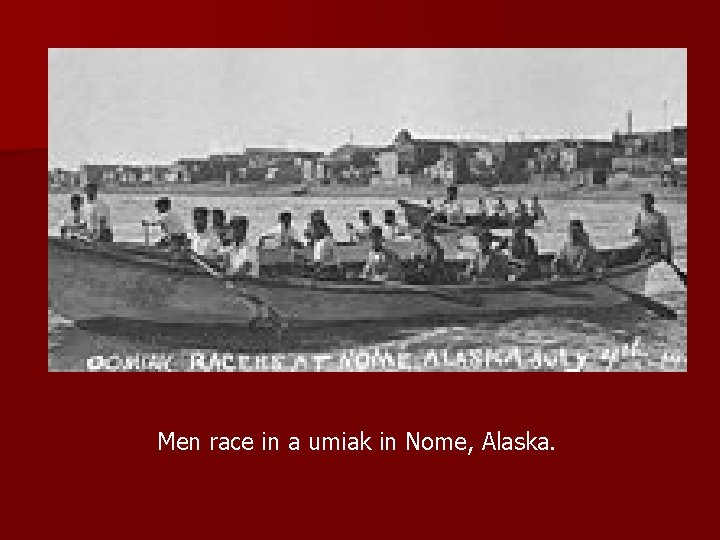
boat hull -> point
(87, 283)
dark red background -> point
(83, 460)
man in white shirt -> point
(174, 233)
(98, 215)
(239, 257)
(202, 241)
(75, 225)
(283, 234)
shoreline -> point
(598, 193)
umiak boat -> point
(130, 281)
(417, 213)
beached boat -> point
(130, 281)
(417, 213)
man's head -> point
(200, 218)
(389, 218)
(285, 219)
(648, 201)
(76, 202)
(452, 193)
(317, 215)
(376, 237)
(500, 200)
(91, 190)
(162, 205)
(536, 199)
(365, 217)
(218, 218)
(238, 227)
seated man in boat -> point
(219, 227)
(238, 256)
(361, 232)
(174, 234)
(577, 256)
(452, 208)
(490, 262)
(536, 210)
(75, 225)
(482, 207)
(392, 230)
(500, 209)
(283, 234)
(322, 241)
(520, 214)
(203, 242)
(652, 229)
(382, 263)
(98, 215)
(316, 226)
(523, 254)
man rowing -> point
(536, 210)
(652, 229)
(361, 232)
(523, 254)
(283, 234)
(174, 233)
(202, 241)
(75, 225)
(382, 263)
(452, 208)
(577, 256)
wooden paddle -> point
(644, 301)
(682, 275)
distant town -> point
(655, 158)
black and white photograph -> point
(367, 210)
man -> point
(75, 225)
(382, 264)
(577, 256)
(452, 208)
(652, 228)
(490, 263)
(362, 231)
(391, 228)
(523, 254)
(202, 241)
(98, 215)
(321, 238)
(500, 209)
(174, 234)
(536, 210)
(219, 228)
(520, 213)
(238, 256)
(317, 228)
(283, 234)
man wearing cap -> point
(652, 228)
(523, 253)
(75, 225)
(239, 258)
(98, 215)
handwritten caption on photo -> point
(626, 356)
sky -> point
(157, 105)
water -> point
(592, 332)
